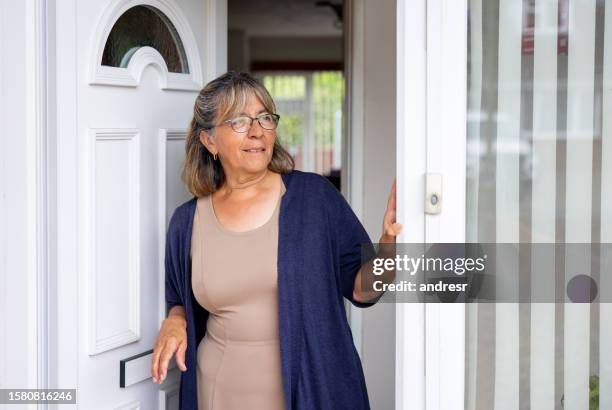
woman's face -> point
(243, 152)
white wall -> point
(20, 191)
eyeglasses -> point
(243, 123)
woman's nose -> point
(256, 129)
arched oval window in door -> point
(142, 26)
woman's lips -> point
(254, 150)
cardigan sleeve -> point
(172, 265)
(354, 245)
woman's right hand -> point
(172, 338)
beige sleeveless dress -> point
(234, 277)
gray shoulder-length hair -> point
(218, 101)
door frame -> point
(410, 383)
(64, 279)
(446, 137)
(429, 32)
(352, 154)
(432, 110)
(26, 201)
(411, 145)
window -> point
(310, 106)
(142, 26)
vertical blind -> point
(539, 170)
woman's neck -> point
(240, 183)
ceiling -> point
(263, 18)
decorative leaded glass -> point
(142, 26)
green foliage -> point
(594, 392)
(290, 130)
(328, 92)
(285, 87)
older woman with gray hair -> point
(257, 265)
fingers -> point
(155, 363)
(161, 358)
(180, 356)
(169, 349)
(172, 338)
(393, 229)
(391, 202)
(389, 217)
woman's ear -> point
(208, 140)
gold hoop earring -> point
(215, 156)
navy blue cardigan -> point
(319, 254)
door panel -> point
(140, 66)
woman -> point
(257, 264)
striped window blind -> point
(539, 169)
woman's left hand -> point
(391, 228)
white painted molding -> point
(144, 56)
(165, 135)
(36, 188)
(446, 136)
(353, 138)
(87, 234)
(167, 392)
(130, 76)
(133, 405)
(411, 166)
(216, 37)
(65, 327)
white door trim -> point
(411, 167)
(37, 205)
(352, 160)
(63, 95)
(215, 54)
(23, 195)
(130, 76)
(446, 148)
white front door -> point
(125, 100)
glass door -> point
(519, 124)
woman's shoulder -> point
(318, 194)
(182, 215)
(313, 183)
